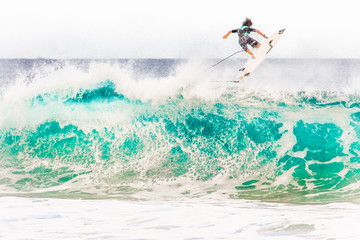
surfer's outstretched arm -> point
(229, 32)
(226, 35)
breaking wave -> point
(168, 128)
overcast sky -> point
(174, 28)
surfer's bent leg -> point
(246, 40)
(244, 46)
(243, 43)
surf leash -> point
(226, 58)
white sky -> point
(174, 28)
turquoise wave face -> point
(99, 138)
(168, 129)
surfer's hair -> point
(247, 22)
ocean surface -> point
(174, 149)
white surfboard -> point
(260, 54)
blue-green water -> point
(164, 129)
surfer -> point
(244, 38)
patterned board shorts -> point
(246, 40)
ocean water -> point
(173, 149)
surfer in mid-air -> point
(244, 38)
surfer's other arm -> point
(258, 32)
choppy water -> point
(173, 129)
(33, 218)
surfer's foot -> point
(251, 54)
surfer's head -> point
(247, 22)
